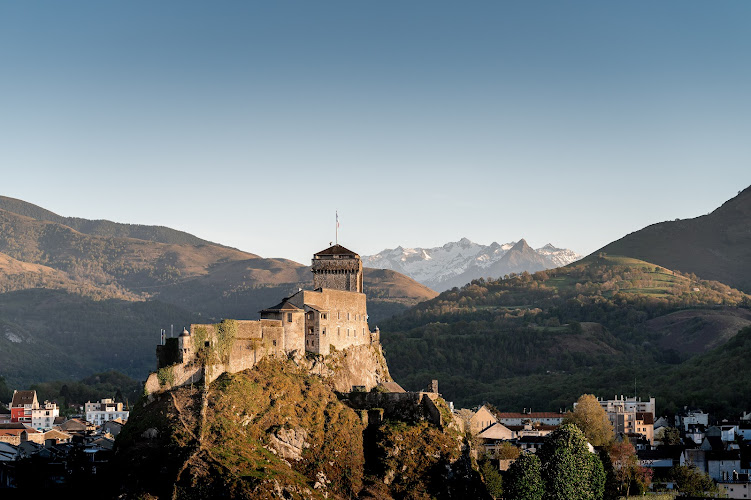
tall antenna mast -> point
(336, 240)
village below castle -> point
(328, 327)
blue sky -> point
(250, 123)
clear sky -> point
(250, 123)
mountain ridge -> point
(715, 246)
(455, 264)
(102, 227)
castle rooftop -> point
(284, 305)
(335, 250)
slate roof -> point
(74, 425)
(284, 305)
(335, 250)
(21, 398)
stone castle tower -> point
(337, 268)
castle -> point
(330, 318)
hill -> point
(158, 234)
(459, 262)
(53, 334)
(541, 340)
(92, 298)
(716, 246)
(275, 431)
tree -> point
(569, 470)
(492, 478)
(591, 418)
(669, 436)
(625, 464)
(507, 451)
(611, 483)
(66, 395)
(524, 479)
(691, 481)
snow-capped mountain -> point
(457, 263)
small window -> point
(273, 342)
(347, 316)
(289, 317)
(338, 315)
(323, 331)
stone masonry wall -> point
(346, 321)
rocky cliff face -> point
(359, 366)
(276, 431)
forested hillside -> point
(540, 340)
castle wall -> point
(406, 406)
(346, 321)
(294, 328)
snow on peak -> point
(458, 261)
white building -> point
(104, 411)
(627, 405)
(43, 417)
(630, 415)
(689, 417)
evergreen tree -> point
(524, 480)
(569, 470)
(492, 478)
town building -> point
(688, 417)
(530, 417)
(22, 404)
(105, 410)
(631, 416)
(43, 417)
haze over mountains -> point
(459, 262)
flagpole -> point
(336, 239)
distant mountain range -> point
(716, 246)
(79, 296)
(459, 262)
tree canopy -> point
(569, 470)
(591, 418)
(524, 479)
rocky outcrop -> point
(289, 443)
(359, 367)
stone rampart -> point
(404, 406)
